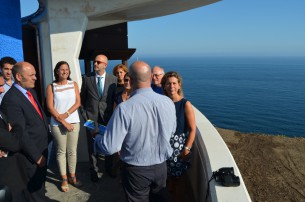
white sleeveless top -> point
(64, 97)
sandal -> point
(64, 185)
(76, 183)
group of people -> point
(150, 129)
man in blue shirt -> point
(140, 128)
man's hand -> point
(41, 161)
(9, 127)
(3, 154)
(95, 132)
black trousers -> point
(144, 183)
(93, 158)
(36, 182)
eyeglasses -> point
(126, 80)
(98, 62)
(157, 75)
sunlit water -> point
(261, 95)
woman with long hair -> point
(63, 100)
(183, 138)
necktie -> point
(100, 86)
(34, 103)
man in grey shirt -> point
(140, 128)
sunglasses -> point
(98, 62)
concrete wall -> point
(210, 153)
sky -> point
(225, 28)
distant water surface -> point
(261, 95)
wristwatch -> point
(187, 148)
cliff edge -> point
(273, 167)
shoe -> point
(93, 176)
(64, 185)
(75, 182)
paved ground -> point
(106, 189)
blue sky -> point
(226, 28)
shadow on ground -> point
(107, 189)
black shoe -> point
(93, 176)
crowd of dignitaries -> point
(149, 134)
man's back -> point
(140, 128)
(148, 120)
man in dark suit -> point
(22, 109)
(97, 98)
(12, 173)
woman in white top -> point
(63, 100)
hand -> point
(9, 127)
(3, 154)
(184, 154)
(62, 117)
(41, 161)
(95, 132)
(68, 126)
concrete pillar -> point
(62, 35)
(66, 31)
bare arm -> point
(50, 103)
(58, 117)
(190, 119)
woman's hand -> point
(184, 154)
(68, 126)
(62, 117)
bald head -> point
(141, 74)
(25, 74)
(157, 70)
(100, 64)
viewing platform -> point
(209, 154)
(107, 189)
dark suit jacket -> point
(95, 107)
(34, 139)
(12, 172)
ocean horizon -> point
(247, 94)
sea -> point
(248, 94)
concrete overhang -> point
(101, 13)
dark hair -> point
(168, 75)
(1, 75)
(7, 60)
(17, 68)
(57, 66)
(127, 75)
